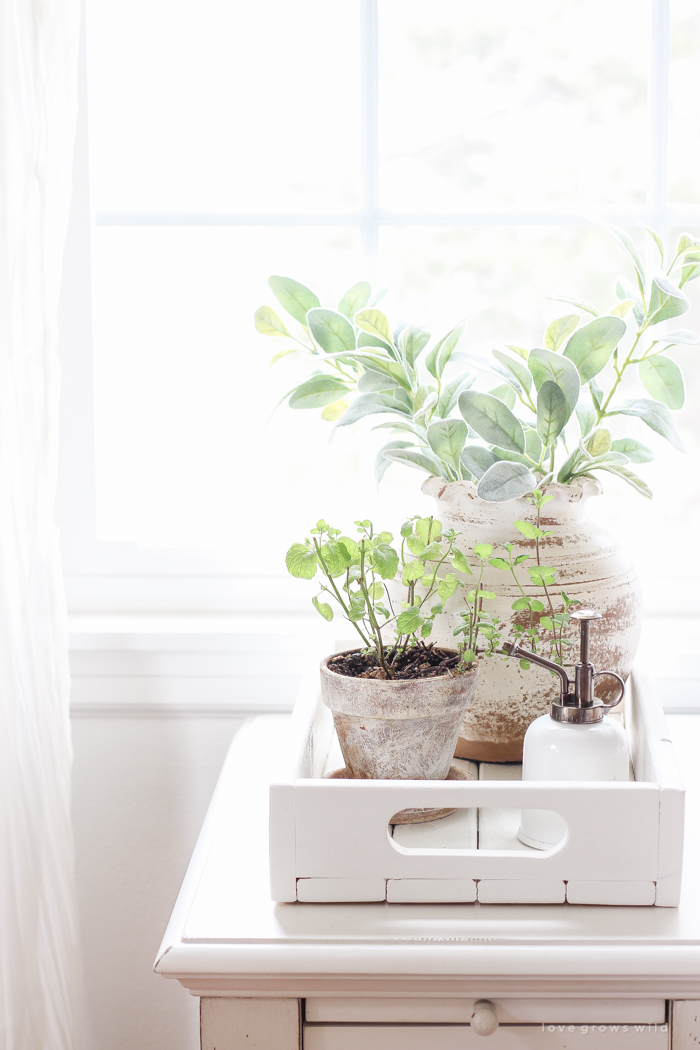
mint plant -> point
(544, 576)
(549, 415)
(355, 574)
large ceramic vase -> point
(591, 567)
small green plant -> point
(355, 574)
(553, 623)
(547, 418)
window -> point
(450, 151)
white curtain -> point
(39, 976)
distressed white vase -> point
(591, 567)
(405, 730)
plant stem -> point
(338, 595)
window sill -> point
(215, 666)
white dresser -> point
(406, 976)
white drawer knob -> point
(483, 1019)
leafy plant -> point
(355, 574)
(517, 436)
(553, 623)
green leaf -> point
(533, 445)
(520, 603)
(580, 304)
(448, 586)
(438, 357)
(318, 391)
(546, 622)
(270, 323)
(478, 459)
(504, 481)
(524, 664)
(492, 420)
(460, 563)
(415, 544)
(591, 346)
(450, 392)
(336, 558)
(412, 341)
(657, 240)
(516, 368)
(446, 438)
(655, 414)
(500, 563)
(664, 380)
(519, 350)
(381, 463)
(355, 299)
(559, 331)
(585, 413)
(324, 609)
(296, 298)
(376, 591)
(429, 529)
(546, 366)
(599, 442)
(504, 393)
(301, 561)
(447, 346)
(372, 404)
(631, 478)
(386, 366)
(621, 308)
(420, 460)
(530, 531)
(374, 342)
(432, 552)
(628, 246)
(666, 301)
(483, 550)
(375, 382)
(335, 410)
(283, 353)
(635, 451)
(552, 413)
(409, 621)
(357, 608)
(682, 336)
(332, 331)
(386, 561)
(376, 323)
(413, 570)
(542, 575)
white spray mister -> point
(575, 741)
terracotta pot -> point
(591, 567)
(403, 730)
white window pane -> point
(189, 452)
(212, 106)
(684, 92)
(537, 104)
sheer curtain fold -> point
(39, 971)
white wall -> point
(141, 790)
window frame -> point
(114, 577)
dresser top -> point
(226, 932)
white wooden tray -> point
(331, 840)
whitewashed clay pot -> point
(405, 730)
(591, 567)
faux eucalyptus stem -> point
(438, 419)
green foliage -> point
(355, 574)
(556, 411)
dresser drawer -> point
(462, 1037)
(336, 1010)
